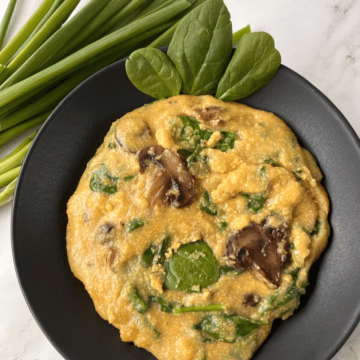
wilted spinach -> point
(201, 47)
(102, 181)
(192, 268)
(153, 73)
(252, 66)
(137, 301)
(156, 253)
(226, 327)
(207, 205)
(164, 305)
(134, 224)
(255, 202)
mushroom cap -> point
(182, 189)
(257, 247)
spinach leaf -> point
(316, 229)
(102, 181)
(137, 301)
(207, 205)
(164, 305)
(252, 66)
(226, 327)
(240, 33)
(226, 142)
(156, 253)
(128, 178)
(134, 224)
(223, 225)
(292, 293)
(256, 202)
(193, 135)
(192, 267)
(153, 73)
(201, 47)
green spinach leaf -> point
(255, 202)
(207, 205)
(201, 47)
(192, 267)
(153, 73)
(134, 224)
(137, 301)
(156, 253)
(252, 66)
(164, 305)
(102, 181)
(226, 327)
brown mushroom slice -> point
(257, 247)
(251, 300)
(182, 189)
(105, 233)
(132, 134)
(211, 115)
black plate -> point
(68, 140)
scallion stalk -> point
(55, 72)
(8, 177)
(53, 24)
(15, 131)
(55, 42)
(8, 193)
(12, 47)
(6, 20)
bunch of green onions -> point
(51, 55)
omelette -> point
(195, 225)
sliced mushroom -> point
(251, 300)
(175, 184)
(212, 115)
(132, 134)
(106, 233)
(260, 248)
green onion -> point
(54, 22)
(8, 177)
(103, 17)
(6, 20)
(12, 47)
(184, 309)
(115, 20)
(74, 61)
(8, 193)
(56, 41)
(15, 131)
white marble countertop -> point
(319, 39)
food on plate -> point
(195, 225)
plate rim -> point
(304, 82)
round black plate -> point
(331, 308)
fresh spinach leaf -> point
(137, 301)
(192, 268)
(240, 33)
(252, 66)
(201, 47)
(134, 224)
(164, 305)
(153, 73)
(207, 205)
(102, 181)
(226, 327)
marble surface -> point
(319, 39)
